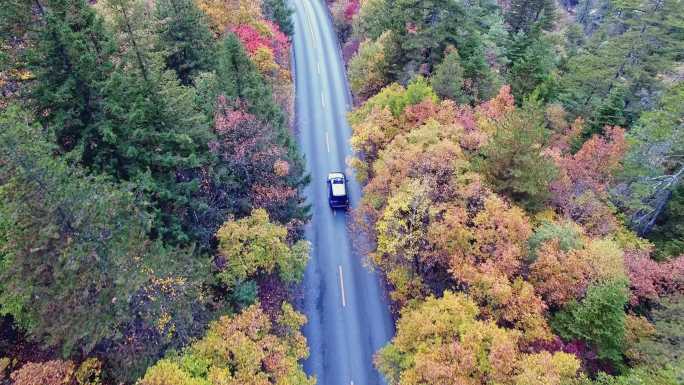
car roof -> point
(338, 189)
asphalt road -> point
(347, 310)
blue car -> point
(337, 191)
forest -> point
(151, 215)
(521, 164)
(522, 168)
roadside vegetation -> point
(150, 194)
(522, 168)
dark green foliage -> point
(184, 38)
(238, 78)
(524, 15)
(532, 60)
(70, 59)
(599, 319)
(613, 111)
(15, 16)
(70, 238)
(425, 29)
(434, 23)
(76, 256)
(512, 161)
(666, 345)
(641, 375)
(134, 122)
(481, 81)
(279, 12)
(574, 39)
(668, 232)
(244, 293)
(447, 80)
(653, 170)
(154, 136)
(617, 74)
(567, 234)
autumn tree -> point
(485, 233)
(370, 135)
(226, 13)
(546, 368)
(248, 348)
(441, 341)
(56, 372)
(376, 122)
(254, 245)
(368, 69)
(254, 167)
(511, 303)
(396, 98)
(59, 372)
(581, 190)
(561, 276)
(402, 240)
(238, 78)
(650, 280)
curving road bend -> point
(347, 310)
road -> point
(348, 312)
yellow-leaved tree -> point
(442, 341)
(254, 245)
(245, 349)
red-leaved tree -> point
(581, 190)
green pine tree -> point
(76, 254)
(531, 57)
(153, 133)
(524, 15)
(512, 161)
(155, 136)
(280, 13)
(623, 62)
(424, 29)
(447, 81)
(184, 38)
(70, 56)
(599, 319)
